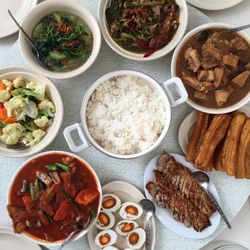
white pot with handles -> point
(164, 91)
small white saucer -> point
(214, 4)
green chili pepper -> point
(33, 193)
(92, 212)
(62, 166)
(51, 167)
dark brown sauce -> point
(244, 55)
(28, 173)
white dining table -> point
(237, 15)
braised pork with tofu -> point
(215, 68)
(51, 195)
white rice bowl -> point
(125, 115)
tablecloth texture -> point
(233, 193)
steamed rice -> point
(125, 115)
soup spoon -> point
(149, 211)
(29, 40)
(204, 180)
(236, 29)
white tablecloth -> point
(233, 193)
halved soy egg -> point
(105, 220)
(110, 202)
(106, 238)
(124, 227)
(136, 238)
(130, 211)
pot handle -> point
(67, 135)
(176, 81)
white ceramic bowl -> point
(53, 95)
(163, 90)
(46, 8)
(196, 30)
(91, 224)
(103, 4)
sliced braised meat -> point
(181, 208)
(162, 161)
(231, 60)
(215, 47)
(180, 177)
(193, 58)
(241, 79)
(201, 95)
(193, 82)
(221, 97)
(218, 73)
(45, 178)
(209, 62)
(238, 44)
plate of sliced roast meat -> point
(182, 205)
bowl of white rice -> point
(125, 114)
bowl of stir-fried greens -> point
(66, 35)
(142, 30)
(31, 112)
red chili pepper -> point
(149, 52)
(142, 43)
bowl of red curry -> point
(52, 194)
(142, 30)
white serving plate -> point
(20, 9)
(187, 124)
(166, 218)
(214, 4)
(126, 192)
(10, 240)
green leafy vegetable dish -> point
(25, 112)
(64, 41)
(142, 26)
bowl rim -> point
(90, 168)
(152, 82)
(224, 110)
(57, 120)
(137, 56)
(86, 15)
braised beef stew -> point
(215, 68)
(51, 195)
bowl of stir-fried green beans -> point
(66, 35)
(142, 30)
(31, 112)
